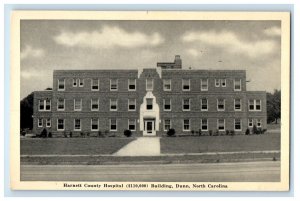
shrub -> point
(127, 133)
(44, 133)
(210, 132)
(264, 130)
(50, 135)
(200, 132)
(247, 131)
(217, 133)
(227, 132)
(88, 134)
(171, 132)
(71, 134)
(82, 134)
(192, 132)
(254, 129)
(232, 132)
(100, 134)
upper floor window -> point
(77, 125)
(149, 84)
(95, 85)
(48, 122)
(223, 82)
(186, 84)
(186, 104)
(167, 124)
(149, 102)
(221, 104)
(60, 124)
(131, 104)
(167, 85)
(40, 122)
(204, 84)
(94, 124)
(237, 105)
(221, 124)
(217, 82)
(113, 104)
(113, 124)
(81, 82)
(250, 122)
(204, 104)
(94, 104)
(131, 84)
(237, 124)
(167, 104)
(114, 85)
(131, 124)
(237, 84)
(77, 104)
(75, 82)
(254, 105)
(204, 124)
(60, 104)
(61, 84)
(186, 125)
(45, 105)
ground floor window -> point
(186, 125)
(167, 124)
(237, 124)
(131, 124)
(77, 125)
(95, 124)
(221, 124)
(48, 123)
(204, 125)
(113, 124)
(60, 124)
(258, 122)
(250, 122)
(40, 122)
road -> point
(263, 171)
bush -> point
(127, 133)
(44, 133)
(232, 132)
(192, 132)
(254, 129)
(71, 134)
(82, 134)
(247, 131)
(264, 130)
(50, 135)
(200, 132)
(210, 132)
(88, 134)
(100, 134)
(171, 132)
(217, 133)
(227, 132)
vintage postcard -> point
(175, 101)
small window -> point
(77, 125)
(41, 105)
(250, 122)
(113, 124)
(131, 84)
(185, 85)
(131, 124)
(204, 104)
(167, 85)
(113, 104)
(217, 82)
(237, 85)
(204, 84)
(186, 104)
(77, 104)
(48, 122)
(186, 125)
(81, 82)
(74, 82)
(40, 122)
(221, 104)
(257, 105)
(167, 124)
(258, 123)
(254, 105)
(48, 105)
(167, 104)
(149, 84)
(114, 85)
(237, 105)
(221, 124)
(95, 85)
(94, 104)
(237, 124)
(45, 105)
(61, 84)
(60, 104)
(149, 102)
(131, 104)
(60, 124)
(223, 82)
(94, 124)
(204, 124)
(251, 105)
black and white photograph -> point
(150, 101)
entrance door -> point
(149, 127)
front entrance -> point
(149, 127)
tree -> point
(274, 106)
(26, 107)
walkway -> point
(143, 146)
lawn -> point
(72, 146)
(202, 144)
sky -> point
(48, 45)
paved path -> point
(143, 146)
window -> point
(149, 84)
(94, 124)
(60, 124)
(61, 84)
(77, 104)
(45, 105)
(237, 124)
(254, 105)
(237, 105)
(223, 82)
(250, 122)
(237, 85)
(204, 125)
(204, 84)
(41, 105)
(60, 104)
(186, 125)
(167, 104)
(81, 82)
(217, 82)
(167, 124)
(95, 85)
(48, 122)
(48, 105)
(185, 85)
(221, 104)
(77, 125)
(131, 84)
(167, 85)
(131, 104)
(149, 102)
(74, 82)
(113, 124)
(258, 123)
(221, 124)
(186, 104)
(94, 104)
(131, 124)
(114, 85)
(204, 104)
(113, 104)
(40, 122)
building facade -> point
(148, 102)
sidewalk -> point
(143, 146)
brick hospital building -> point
(148, 102)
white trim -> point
(234, 84)
(58, 104)
(75, 125)
(134, 85)
(57, 125)
(240, 124)
(183, 125)
(223, 79)
(258, 120)
(165, 89)
(220, 110)
(134, 104)
(111, 105)
(74, 81)
(111, 124)
(92, 84)
(92, 105)
(152, 84)
(254, 105)
(79, 79)
(206, 124)
(165, 124)
(40, 120)
(134, 124)
(164, 103)
(217, 82)
(58, 89)
(117, 85)
(92, 124)
(183, 85)
(183, 105)
(219, 124)
(48, 126)
(202, 104)
(252, 120)
(240, 104)
(40, 100)
(202, 81)
(80, 105)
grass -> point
(72, 146)
(202, 144)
